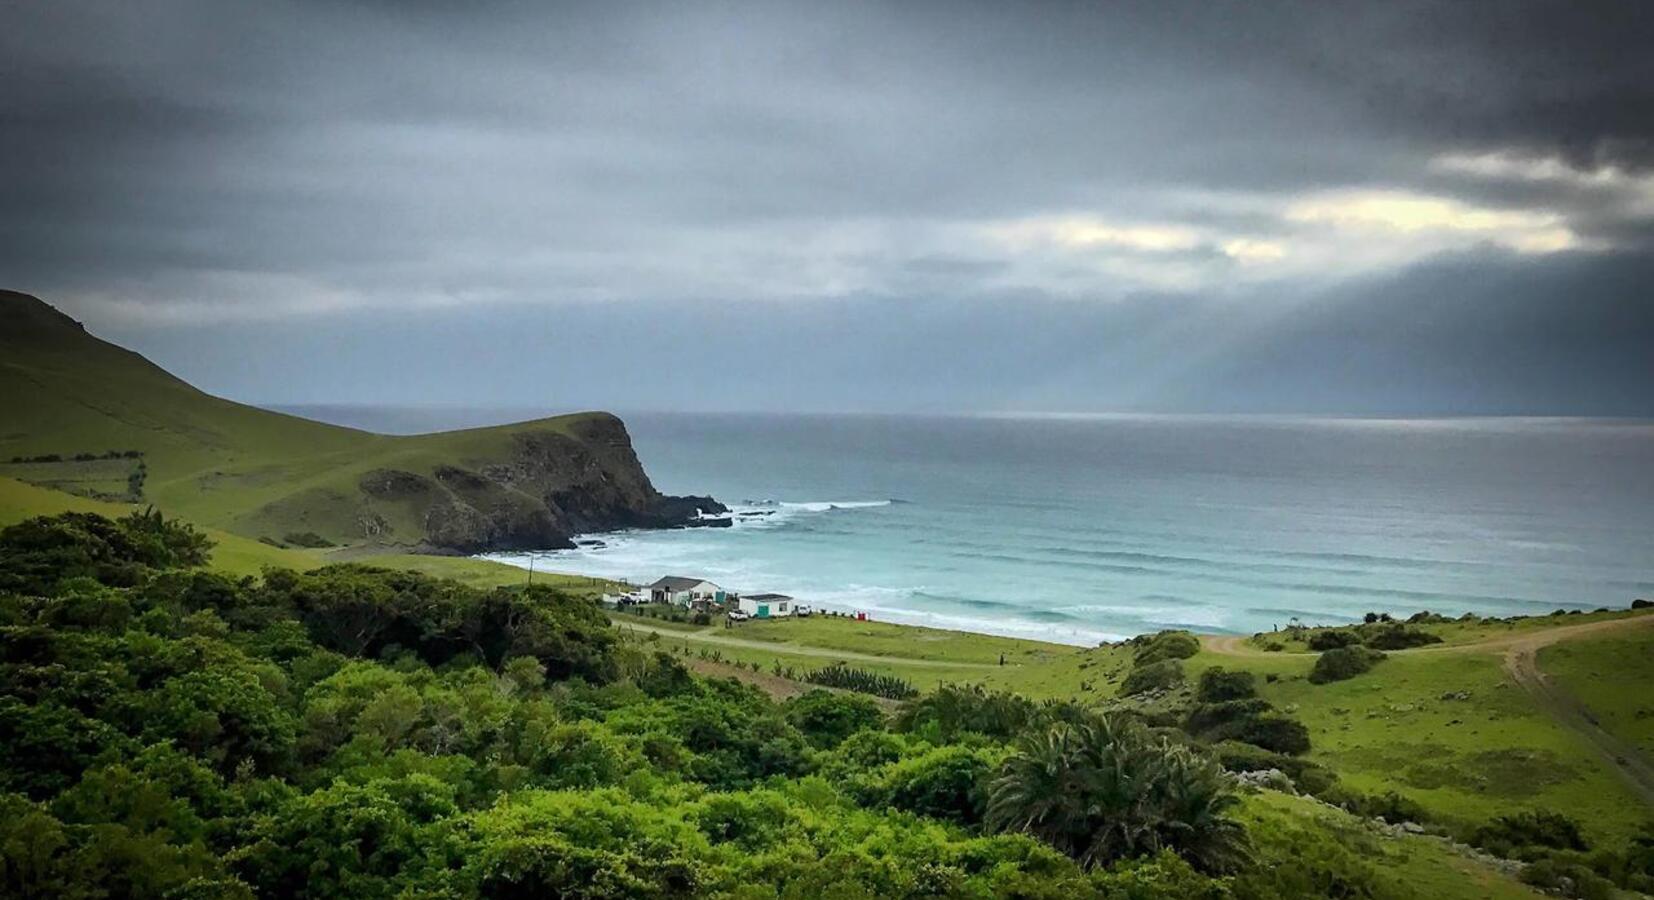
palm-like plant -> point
(1101, 790)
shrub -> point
(1103, 790)
(1163, 675)
(1273, 731)
(1539, 828)
(1207, 717)
(949, 782)
(1251, 721)
(1332, 639)
(826, 718)
(952, 710)
(1218, 684)
(1389, 806)
(306, 539)
(1567, 879)
(1343, 663)
(1398, 637)
(1640, 603)
(1165, 645)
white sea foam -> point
(827, 505)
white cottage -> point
(685, 591)
(767, 606)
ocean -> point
(1080, 529)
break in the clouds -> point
(1155, 205)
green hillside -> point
(142, 434)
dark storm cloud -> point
(1174, 188)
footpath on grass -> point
(1521, 652)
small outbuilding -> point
(685, 591)
(767, 606)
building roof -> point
(678, 583)
(765, 597)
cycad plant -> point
(1102, 789)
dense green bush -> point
(1164, 645)
(1396, 637)
(826, 718)
(1251, 721)
(1333, 638)
(37, 554)
(1538, 828)
(305, 539)
(1568, 879)
(1103, 790)
(1163, 675)
(1218, 684)
(1343, 663)
(954, 710)
(948, 782)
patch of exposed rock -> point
(547, 488)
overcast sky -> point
(1397, 209)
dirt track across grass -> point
(1522, 665)
(1521, 652)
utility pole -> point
(531, 569)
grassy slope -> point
(238, 555)
(1611, 676)
(215, 462)
(1400, 727)
(1456, 633)
(1401, 866)
(1490, 754)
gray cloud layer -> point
(1443, 207)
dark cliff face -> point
(552, 486)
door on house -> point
(763, 610)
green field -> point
(1611, 676)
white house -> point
(685, 591)
(767, 606)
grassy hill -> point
(112, 425)
(1449, 726)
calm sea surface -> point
(1080, 529)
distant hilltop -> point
(275, 477)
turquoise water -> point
(1083, 529)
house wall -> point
(777, 608)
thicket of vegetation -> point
(354, 732)
(1341, 663)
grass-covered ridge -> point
(266, 475)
